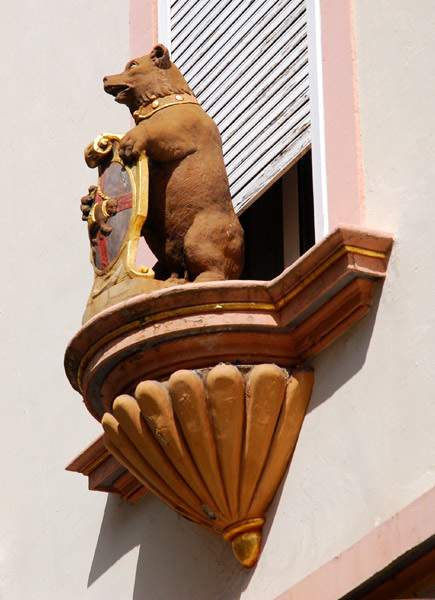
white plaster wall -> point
(365, 449)
(53, 56)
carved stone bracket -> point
(213, 441)
(213, 444)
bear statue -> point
(191, 226)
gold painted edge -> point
(317, 272)
(96, 463)
(141, 213)
(365, 252)
(140, 118)
(245, 526)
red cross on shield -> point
(115, 183)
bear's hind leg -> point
(213, 247)
(162, 273)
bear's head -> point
(143, 79)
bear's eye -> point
(133, 64)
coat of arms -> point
(115, 209)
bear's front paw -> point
(87, 201)
(131, 147)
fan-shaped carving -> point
(213, 444)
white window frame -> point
(317, 112)
(164, 23)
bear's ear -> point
(160, 56)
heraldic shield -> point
(118, 207)
(115, 193)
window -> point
(279, 226)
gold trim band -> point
(96, 463)
(317, 272)
(150, 108)
(188, 310)
(243, 527)
(224, 306)
(104, 209)
(363, 252)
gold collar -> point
(153, 106)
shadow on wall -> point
(347, 355)
(353, 346)
(177, 559)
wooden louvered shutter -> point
(247, 61)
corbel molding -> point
(105, 473)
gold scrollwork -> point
(100, 148)
(91, 217)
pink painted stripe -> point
(370, 555)
(143, 26)
(342, 129)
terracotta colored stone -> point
(191, 226)
(173, 438)
(105, 473)
(284, 321)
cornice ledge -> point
(105, 473)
